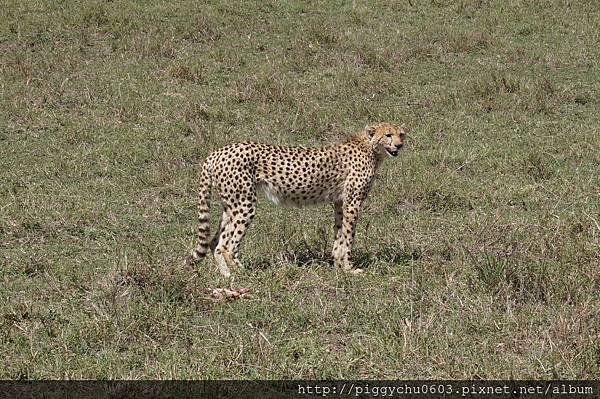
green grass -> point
(482, 241)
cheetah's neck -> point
(361, 140)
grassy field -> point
(481, 241)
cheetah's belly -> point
(301, 195)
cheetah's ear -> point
(370, 129)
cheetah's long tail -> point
(203, 212)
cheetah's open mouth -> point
(392, 152)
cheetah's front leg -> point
(346, 216)
(337, 230)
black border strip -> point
(301, 389)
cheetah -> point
(341, 174)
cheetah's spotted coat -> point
(341, 174)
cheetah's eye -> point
(388, 135)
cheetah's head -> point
(386, 138)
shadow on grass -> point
(305, 256)
(364, 260)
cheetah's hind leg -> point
(242, 217)
(222, 263)
(228, 241)
(238, 212)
